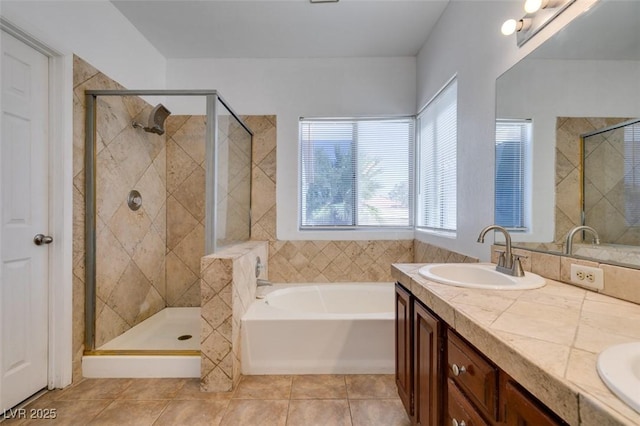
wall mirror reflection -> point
(567, 138)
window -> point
(356, 173)
(512, 141)
(437, 145)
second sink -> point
(479, 275)
(619, 368)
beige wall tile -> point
(546, 265)
(622, 283)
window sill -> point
(452, 235)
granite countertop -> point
(548, 339)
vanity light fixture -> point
(532, 6)
(538, 14)
(324, 1)
(510, 26)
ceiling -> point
(285, 28)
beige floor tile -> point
(318, 387)
(256, 412)
(193, 413)
(378, 412)
(264, 387)
(133, 413)
(94, 389)
(191, 390)
(150, 389)
(319, 412)
(369, 386)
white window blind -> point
(356, 173)
(512, 139)
(437, 141)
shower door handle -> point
(41, 239)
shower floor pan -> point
(160, 346)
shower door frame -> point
(90, 160)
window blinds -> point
(512, 139)
(437, 133)
(356, 173)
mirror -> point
(584, 79)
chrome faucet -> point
(508, 263)
(262, 283)
(568, 248)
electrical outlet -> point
(587, 276)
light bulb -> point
(509, 27)
(532, 6)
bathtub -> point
(345, 328)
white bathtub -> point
(345, 328)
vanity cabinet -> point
(404, 353)
(427, 347)
(443, 379)
(418, 355)
(474, 375)
(522, 409)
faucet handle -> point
(516, 267)
(501, 258)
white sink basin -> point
(619, 368)
(479, 275)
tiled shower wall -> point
(136, 250)
(568, 175)
(130, 245)
(185, 208)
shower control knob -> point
(41, 239)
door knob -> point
(41, 239)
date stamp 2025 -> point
(33, 413)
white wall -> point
(467, 42)
(542, 90)
(96, 31)
(294, 88)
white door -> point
(24, 205)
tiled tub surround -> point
(548, 339)
(228, 287)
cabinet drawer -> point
(459, 409)
(477, 378)
(522, 409)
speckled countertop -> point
(548, 339)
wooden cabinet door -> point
(426, 376)
(404, 349)
(522, 410)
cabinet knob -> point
(458, 370)
(455, 422)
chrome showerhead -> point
(156, 120)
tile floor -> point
(327, 400)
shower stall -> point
(161, 191)
(610, 166)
